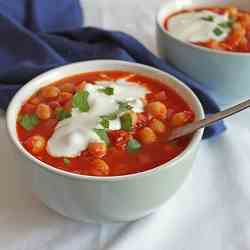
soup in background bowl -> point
(56, 118)
(221, 28)
(218, 55)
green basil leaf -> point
(107, 90)
(66, 161)
(133, 145)
(208, 18)
(28, 122)
(103, 135)
(61, 114)
(80, 100)
(126, 122)
(104, 122)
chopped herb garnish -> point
(66, 161)
(226, 25)
(126, 122)
(107, 90)
(104, 122)
(218, 32)
(80, 100)
(133, 145)
(124, 106)
(208, 18)
(111, 116)
(61, 114)
(103, 135)
(28, 122)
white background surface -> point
(210, 212)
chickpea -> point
(35, 144)
(232, 11)
(97, 150)
(181, 118)
(35, 100)
(157, 126)
(238, 27)
(147, 135)
(99, 168)
(245, 20)
(43, 111)
(67, 87)
(50, 92)
(157, 109)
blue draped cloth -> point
(37, 35)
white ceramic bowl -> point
(226, 74)
(105, 199)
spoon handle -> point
(190, 128)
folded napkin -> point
(39, 35)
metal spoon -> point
(192, 127)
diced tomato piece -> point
(119, 138)
(64, 97)
(142, 120)
(97, 150)
(234, 39)
(68, 106)
(47, 127)
(28, 108)
(54, 104)
(99, 168)
(159, 96)
(150, 97)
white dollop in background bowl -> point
(225, 74)
(105, 199)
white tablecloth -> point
(210, 211)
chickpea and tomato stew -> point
(220, 28)
(105, 123)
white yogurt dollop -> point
(71, 136)
(199, 26)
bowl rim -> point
(196, 138)
(160, 25)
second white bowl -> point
(225, 74)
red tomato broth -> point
(238, 39)
(119, 160)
